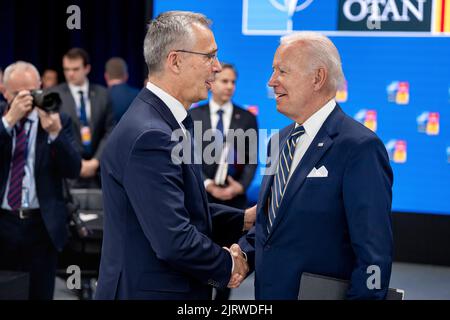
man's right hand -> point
(240, 267)
(218, 192)
(20, 106)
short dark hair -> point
(78, 53)
(116, 68)
(226, 65)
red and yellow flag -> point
(441, 16)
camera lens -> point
(49, 102)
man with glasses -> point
(157, 220)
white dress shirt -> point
(227, 108)
(29, 196)
(175, 106)
(312, 126)
(75, 91)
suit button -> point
(267, 248)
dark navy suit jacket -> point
(53, 162)
(157, 221)
(121, 97)
(335, 226)
(244, 171)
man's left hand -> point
(89, 168)
(50, 122)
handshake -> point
(240, 266)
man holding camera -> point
(37, 151)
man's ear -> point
(320, 78)
(87, 69)
(174, 62)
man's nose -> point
(216, 65)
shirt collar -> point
(33, 116)
(175, 106)
(75, 89)
(315, 122)
(227, 107)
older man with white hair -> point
(326, 208)
(37, 151)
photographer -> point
(37, 151)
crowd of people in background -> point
(87, 115)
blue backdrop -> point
(397, 84)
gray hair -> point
(171, 30)
(321, 52)
(19, 66)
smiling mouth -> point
(280, 95)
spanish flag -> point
(441, 13)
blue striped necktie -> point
(219, 125)
(18, 166)
(281, 177)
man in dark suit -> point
(121, 94)
(324, 205)
(2, 87)
(37, 151)
(89, 107)
(221, 114)
(157, 220)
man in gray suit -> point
(89, 107)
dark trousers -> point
(26, 246)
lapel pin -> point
(320, 144)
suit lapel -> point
(71, 105)
(41, 141)
(235, 118)
(316, 150)
(206, 118)
(167, 115)
(267, 181)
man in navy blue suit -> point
(325, 203)
(121, 94)
(157, 220)
(37, 151)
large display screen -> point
(396, 60)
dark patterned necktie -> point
(18, 166)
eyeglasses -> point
(212, 56)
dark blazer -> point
(157, 220)
(53, 162)
(101, 121)
(335, 226)
(243, 173)
(121, 97)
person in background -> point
(49, 78)
(37, 151)
(121, 94)
(2, 87)
(222, 114)
(89, 107)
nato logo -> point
(396, 18)
(271, 17)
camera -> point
(49, 102)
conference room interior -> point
(375, 67)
